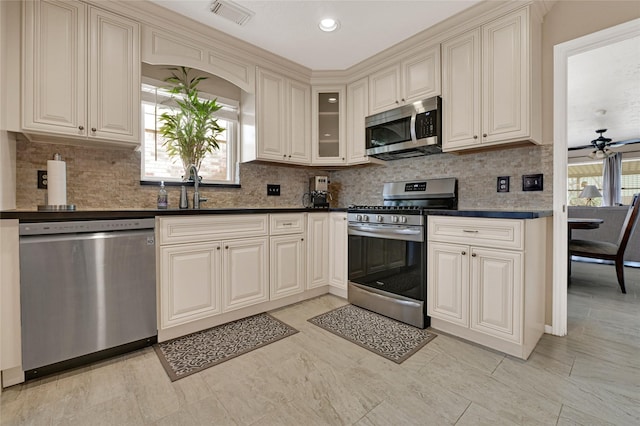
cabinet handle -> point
(218, 248)
(484, 135)
(464, 253)
(80, 127)
(475, 136)
(93, 129)
(471, 231)
(473, 255)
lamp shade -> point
(590, 191)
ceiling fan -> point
(602, 145)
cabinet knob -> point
(80, 127)
(289, 155)
(93, 129)
(301, 239)
(464, 253)
(475, 136)
(218, 248)
(473, 255)
(226, 247)
(402, 99)
(484, 135)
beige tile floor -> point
(590, 377)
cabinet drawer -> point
(286, 223)
(498, 233)
(206, 228)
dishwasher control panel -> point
(84, 226)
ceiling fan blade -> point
(576, 148)
(625, 142)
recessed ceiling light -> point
(332, 100)
(329, 24)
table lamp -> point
(590, 192)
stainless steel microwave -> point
(408, 131)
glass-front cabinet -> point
(328, 127)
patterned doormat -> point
(384, 336)
(198, 351)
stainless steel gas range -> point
(388, 248)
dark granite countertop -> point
(53, 216)
(497, 214)
(46, 216)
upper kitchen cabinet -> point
(283, 120)
(81, 68)
(328, 125)
(414, 79)
(491, 84)
(357, 110)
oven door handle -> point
(406, 233)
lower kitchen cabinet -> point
(317, 250)
(338, 253)
(245, 273)
(190, 282)
(287, 257)
(482, 287)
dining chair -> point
(610, 251)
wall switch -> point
(532, 182)
(42, 179)
(503, 183)
(273, 190)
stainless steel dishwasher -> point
(87, 291)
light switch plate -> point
(273, 190)
(532, 182)
(503, 184)
(42, 179)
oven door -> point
(390, 258)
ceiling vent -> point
(231, 11)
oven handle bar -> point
(393, 233)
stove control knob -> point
(380, 218)
(403, 219)
(394, 219)
(358, 217)
(365, 218)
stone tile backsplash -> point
(477, 175)
(99, 178)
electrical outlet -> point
(42, 179)
(273, 190)
(532, 182)
(503, 183)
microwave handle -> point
(414, 136)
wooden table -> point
(579, 223)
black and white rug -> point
(195, 352)
(384, 336)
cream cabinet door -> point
(421, 76)
(357, 110)
(496, 293)
(318, 250)
(448, 282)
(328, 131)
(245, 273)
(190, 282)
(270, 115)
(384, 90)
(299, 123)
(54, 67)
(114, 77)
(338, 250)
(287, 256)
(505, 78)
(461, 91)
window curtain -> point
(612, 180)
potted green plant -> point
(190, 131)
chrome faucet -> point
(196, 183)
